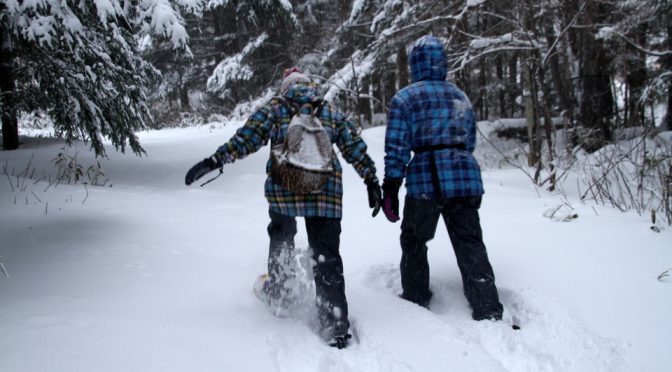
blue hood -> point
(428, 60)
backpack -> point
(303, 162)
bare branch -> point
(506, 158)
(640, 48)
(562, 33)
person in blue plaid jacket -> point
(321, 209)
(434, 120)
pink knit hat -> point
(291, 76)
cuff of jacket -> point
(371, 178)
(223, 156)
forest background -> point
(583, 76)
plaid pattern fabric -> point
(271, 122)
(427, 60)
(432, 112)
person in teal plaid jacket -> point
(434, 120)
(321, 210)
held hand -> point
(375, 197)
(391, 199)
(202, 168)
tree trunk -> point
(513, 84)
(667, 120)
(184, 97)
(402, 66)
(364, 104)
(10, 127)
(501, 92)
(533, 128)
(483, 94)
(482, 101)
(378, 91)
(560, 77)
(597, 101)
(636, 79)
(389, 86)
(549, 128)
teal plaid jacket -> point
(270, 123)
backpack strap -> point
(293, 108)
(287, 105)
(319, 106)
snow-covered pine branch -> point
(361, 66)
(159, 17)
(233, 69)
(79, 62)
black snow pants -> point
(324, 240)
(461, 217)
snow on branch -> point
(49, 22)
(357, 9)
(390, 24)
(43, 21)
(107, 10)
(286, 5)
(233, 69)
(607, 33)
(474, 3)
(361, 66)
(197, 7)
(158, 17)
(508, 39)
(405, 21)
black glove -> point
(202, 168)
(391, 199)
(375, 196)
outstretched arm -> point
(250, 137)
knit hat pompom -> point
(291, 76)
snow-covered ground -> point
(146, 274)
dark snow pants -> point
(461, 217)
(324, 240)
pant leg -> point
(478, 279)
(281, 231)
(417, 228)
(324, 239)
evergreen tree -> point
(78, 62)
(236, 49)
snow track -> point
(151, 275)
(552, 338)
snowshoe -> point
(258, 288)
(275, 307)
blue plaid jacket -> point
(270, 122)
(432, 112)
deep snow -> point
(146, 274)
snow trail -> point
(146, 274)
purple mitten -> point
(391, 199)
